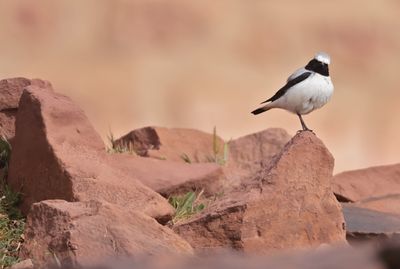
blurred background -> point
(200, 64)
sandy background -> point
(203, 63)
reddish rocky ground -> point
(257, 195)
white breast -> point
(308, 95)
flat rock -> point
(58, 155)
(388, 203)
(172, 144)
(171, 178)
(366, 183)
(364, 224)
(79, 234)
(10, 93)
(289, 205)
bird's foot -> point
(305, 130)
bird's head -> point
(319, 64)
(323, 58)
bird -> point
(307, 89)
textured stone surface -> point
(169, 178)
(246, 156)
(58, 155)
(387, 203)
(366, 183)
(83, 233)
(289, 205)
(10, 93)
(251, 153)
(172, 144)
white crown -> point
(323, 57)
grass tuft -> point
(186, 158)
(117, 148)
(186, 205)
(12, 223)
(218, 157)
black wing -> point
(288, 85)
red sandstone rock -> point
(388, 203)
(245, 157)
(173, 144)
(10, 93)
(58, 155)
(366, 183)
(290, 205)
(79, 234)
(171, 178)
(251, 153)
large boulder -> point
(251, 153)
(78, 234)
(10, 93)
(171, 178)
(58, 155)
(172, 144)
(289, 205)
(366, 183)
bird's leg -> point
(303, 125)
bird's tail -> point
(261, 110)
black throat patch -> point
(318, 67)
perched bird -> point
(306, 89)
